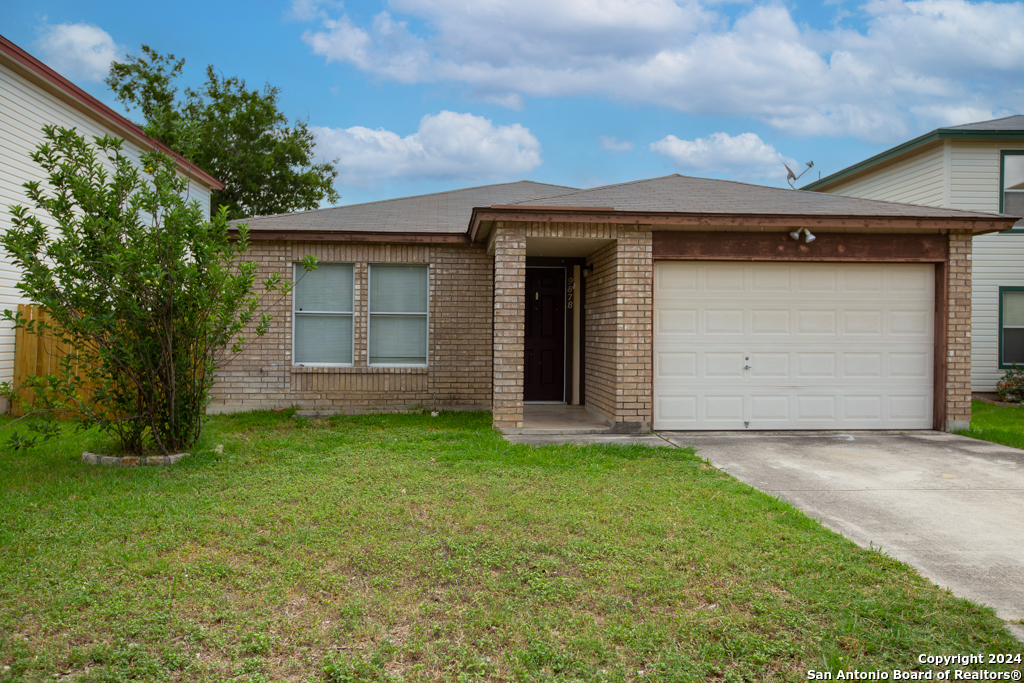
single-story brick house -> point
(669, 303)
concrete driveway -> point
(951, 506)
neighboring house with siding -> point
(974, 167)
(33, 95)
(668, 303)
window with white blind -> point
(1011, 326)
(398, 314)
(322, 315)
(1012, 199)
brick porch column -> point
(634, 334)
(509, 327)
(958, 331)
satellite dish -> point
(793, 177)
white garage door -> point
(793, 345)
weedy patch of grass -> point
(410, 548)
(998, 424)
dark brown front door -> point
(544, 345)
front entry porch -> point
(548, 418)
(571, 329)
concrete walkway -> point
(950, 506)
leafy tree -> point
(149, 294)
(237, 135)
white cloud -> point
(447, 145)
(913, 56)
(613, 144)
(78, 51)
(744, 157)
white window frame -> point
(1003, 365)
(351, 314)
(370, 314)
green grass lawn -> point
(999, 424)
(410, 548)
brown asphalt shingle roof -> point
(450, 212)
(439, 213)
(684, 194)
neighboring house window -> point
(398, 315)
(1012, 199)
(1011, 326)
(322, 305)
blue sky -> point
(415, 96)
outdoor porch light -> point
(796, 235)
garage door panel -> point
(812, 365)
(910, 407)
(676, 365)
(679, 410)
(676, 283)
(724, 279)
(910, 323)
(679, 321)
(770, 322)
(869, 408)
(864, 280)
(727, 407)
(910, 365)
(723, 365)
(773, 407)
(723, 321)
(793, 346)
(772, 280)
(816, 322)
(769, 365)
(817, 407)
(863, 365)
(906, 281)
(862, 323)
(817, 281)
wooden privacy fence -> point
(39, 354)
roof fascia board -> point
(43, 76)
(910, 146)
(976, 225)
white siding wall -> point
(914, 180)
(24, 108)
(998, 258)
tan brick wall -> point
(458, 371)
(509, 310)
(601, 331)
(634, 365)
(618, 332)
(958, 330)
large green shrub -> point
(149, 293)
